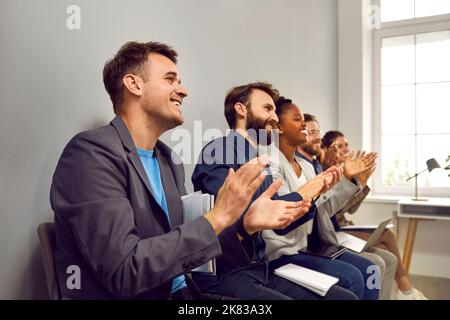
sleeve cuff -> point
(241, 230)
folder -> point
(196, 205)
(317, 282)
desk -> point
(433, 209)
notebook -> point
(312, 280)
(358, 245)
(196, 205)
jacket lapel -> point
(137, 164)
(133, 157)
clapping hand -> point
(333, 176)
(236, 193)
(330, 157)
(267, 214)
(320, 184)
(364, 176)
(358, 162)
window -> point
(395, 10)
(412, 95)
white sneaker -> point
(414, 295)
(418, 295)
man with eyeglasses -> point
(312, 150)
(320, 159)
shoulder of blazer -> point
(173, 160)
(104, 138)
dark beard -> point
(309, 150)
(256, 129)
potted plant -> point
(447, 163)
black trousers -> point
(182, 294)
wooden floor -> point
(432, 288)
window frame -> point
(392, 29)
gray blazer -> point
(109, 225)
(327, 205)
(352, 206)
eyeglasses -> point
(315, 132)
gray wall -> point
(51, 86)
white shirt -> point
(290, 243)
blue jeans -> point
(363, 265)
(245, 284)
(349, 268)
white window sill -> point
(386, 199)
(391, 199)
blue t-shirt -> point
(151, 167)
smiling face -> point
(342, 146)
(163, 94)
(312, 146)
(292, 126)
(261, 115)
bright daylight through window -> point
(413, 89)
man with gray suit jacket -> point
(116, 192)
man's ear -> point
(133, 84)
(241, 110)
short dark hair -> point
(329, 138)
(131, 58)
(242, 94)
(310, 117)
(282, 103)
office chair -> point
(46, 234)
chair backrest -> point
(46, 234)
(47, 238)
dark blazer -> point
(110, 226)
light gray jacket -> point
(327, 205)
